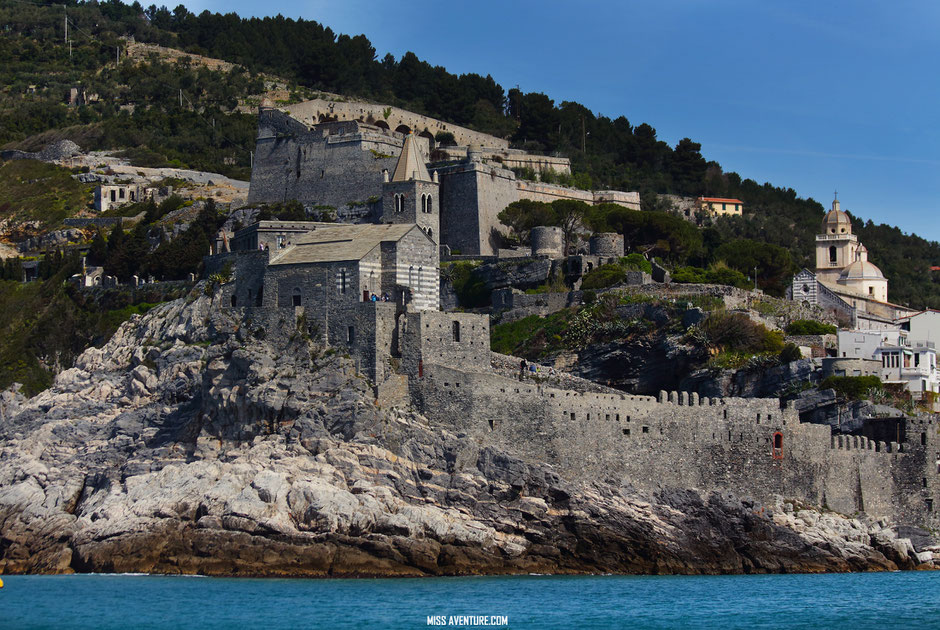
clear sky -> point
(815, 96)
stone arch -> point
(403, 128)
(381, 124)
(427, 134)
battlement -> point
(678, 439)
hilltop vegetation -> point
(139, 107)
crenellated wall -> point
(681, 440)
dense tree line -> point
(608, 152)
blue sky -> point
(816, 96)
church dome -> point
(836, 221)
(861, 270)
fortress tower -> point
(413, 194)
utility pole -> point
(755, 278)
(181, 98)
(66, 11)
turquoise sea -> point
(854, 601)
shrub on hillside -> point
(736, 331)
(790, 352)
(810, 327)
(603, 277)
(851, 387)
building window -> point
(778, 446)
(350, 334)
(833, 254)
(456, 330)
(342, 281)
(295, 298)
(122, 193)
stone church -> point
(845, 281)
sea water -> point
(851, 601)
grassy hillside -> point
(36, 191)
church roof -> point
(411, 163)
(861, 270)
(340, 243)
(836, 221)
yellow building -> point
(720, 207)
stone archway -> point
(405, 129)
(427, 134)
(381, 124)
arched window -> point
(778, 446)
(833, 254)
(429, 204)
(399, 203)
(430, 234)
(295, 298)
(424, 203)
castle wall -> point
(332, 164)
(469, 208)
(509, 158)
(448, 339)
(318, 110)
(683, 441)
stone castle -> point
(341, 156)
(371, 289)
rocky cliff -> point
(190, 443)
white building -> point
(923, 326)
(914, 366)
(909, 363)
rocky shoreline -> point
(189, 445)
